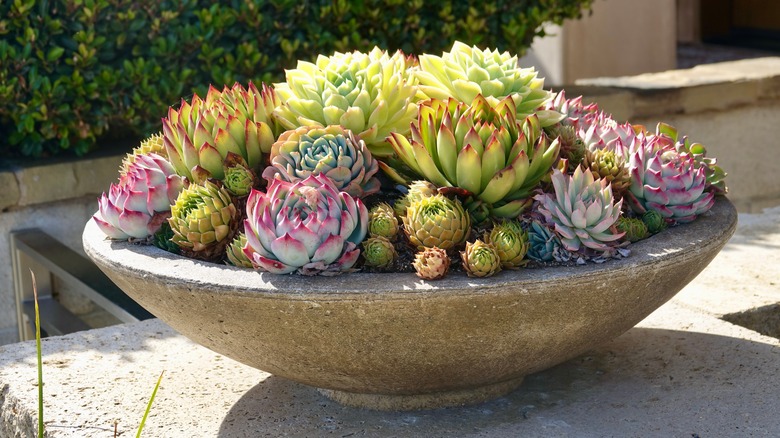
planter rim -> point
(145, 260)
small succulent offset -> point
(436, 221)
(140, 202)
(332, 151)
(634, 229)
(480, 259)
(307, 227)
(654, 221)
(239, 178)
(604, 163)
(582, 211)
(204, 221)
(382, 221)
(431, 263)
(378, 252)
(543, 243)
(235, 252)
(511, 243)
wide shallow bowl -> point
(393, 341)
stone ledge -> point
(681, 371)
(706, 87)
(38, 184)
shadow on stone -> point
(765, 319)
(671, 382)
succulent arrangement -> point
(382, 162)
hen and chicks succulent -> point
(492, 172)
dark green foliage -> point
(70, 70)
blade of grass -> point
(149, 406)
(38, 351)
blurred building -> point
(629, 37)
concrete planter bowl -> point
(393, 341)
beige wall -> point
(620, 37)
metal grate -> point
(33, 250)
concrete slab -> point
(680, 372)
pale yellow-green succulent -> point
(371, 94)
(466, 72)
(436, 221)
(481, 149)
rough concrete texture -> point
(66, 180)
(681, 372)
(62, 220)
(396, 335)
(706, 74)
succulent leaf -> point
(582, 210)
(139, 203)
(308, 226)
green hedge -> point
(72, 71)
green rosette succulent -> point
(480, 259)
(582, 210)
(382, 222)
(510, 241)
(235, 253)
(239, 179)
(162, 239)
(378, 252)
(200, 134)
(480, 149)
(436, 221)
(371, 94)
(417, 190)
(466, 72)
(654, 221)
(332, 151)
(431, 263)
(634, 229)
(204, 220)
(606, 164)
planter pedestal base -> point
(434, 400)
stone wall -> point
(58, 198)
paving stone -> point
(681, 372)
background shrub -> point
(72, 71)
